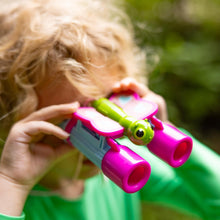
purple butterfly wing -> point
(134, 106)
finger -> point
(130, 84)
(35, 128)
(122, 85)
(162, 107)
(52, 112)
(139, 88)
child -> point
(54, 57)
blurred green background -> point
(182, 42)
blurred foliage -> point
(158, 212)
(182, 40)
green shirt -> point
(193, 188)
(101, 200)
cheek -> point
(55, 93)
(55, 98)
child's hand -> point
(26, 157)
(131, 84)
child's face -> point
(55, 92)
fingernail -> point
(66, 134)
(74, 105)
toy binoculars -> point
(94, 132)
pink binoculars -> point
(95, 135)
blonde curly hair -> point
(70, 38)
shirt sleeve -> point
(7, 217)
(193, 188)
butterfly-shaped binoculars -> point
(94, 132)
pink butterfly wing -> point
(98, 122)
(134, 106)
